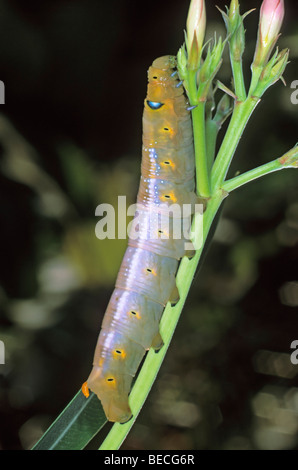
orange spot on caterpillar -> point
(168, 130)
(169, 197)
(134, 314)
(85, 390)
(151, 271)
(164, 233)
(111, 382)
(168, 163)
(119, 353)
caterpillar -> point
(146, 279)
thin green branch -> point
(288, 160)
(212, 129)
(241, 114)
(239, 84)
(247, 177)
(255, 77)
(198, 121)
(199, 131)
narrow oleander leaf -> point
(74, 428)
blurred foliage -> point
(70, 139)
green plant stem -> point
(199, 132)
(211, 136)
(247, 177)
(255, 77)
(151, 366)
(239, 85)
(241, 114)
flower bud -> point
(235, 29)
(195, 25)
(279, 65)
(194, 55)
(237, 42)
(182, 63)
(272, 72)
(212, 61)
(271, 18)
(234, 14)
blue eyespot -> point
(154, 104)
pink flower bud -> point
(271, 18)
(196, 24)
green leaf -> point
(78, 423)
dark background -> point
(70, 139)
